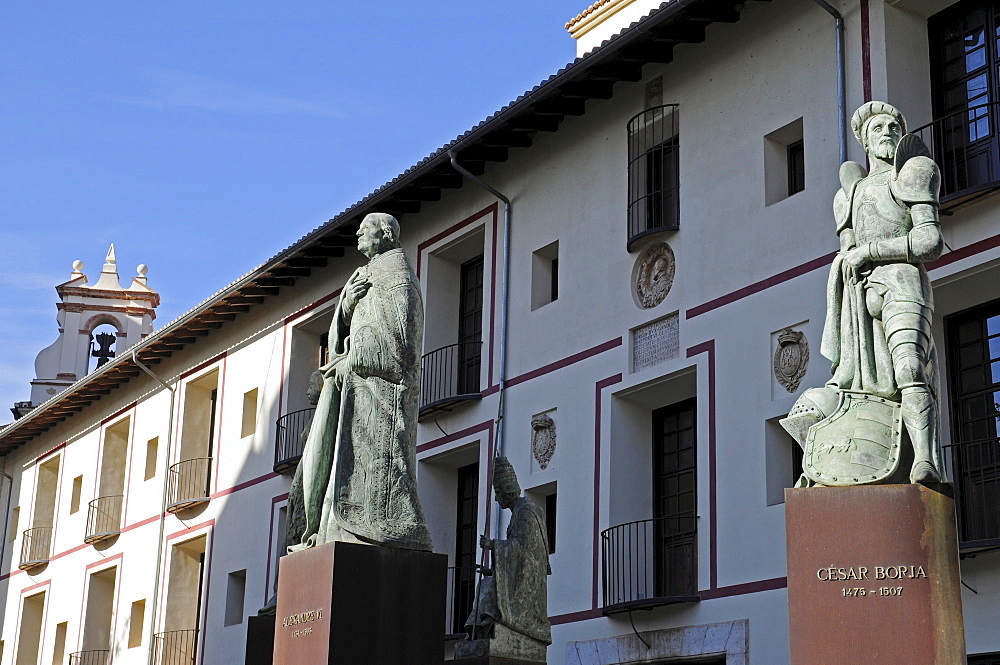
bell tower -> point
(125, 316)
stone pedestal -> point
(343, 604)
(873, 576)
(260, 640)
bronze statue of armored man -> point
(878, 322)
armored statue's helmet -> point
(860, 119)
(504, 478)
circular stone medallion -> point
(654, 275)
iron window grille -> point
(653, 173)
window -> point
(190, 478)
(135, 623)
(30, 633)
(104, 516)
(784, 163)
(470, 326)
(974, 454)
(12, 530)
(249, 413)
(963, 42)
(74, 497)
(466, 544)
(550, 521)
(653, 172)
(236, 592)
(674, 500)
(98, 620)
(152, 449)
(59, 648)
(985, 659)
(545, 275)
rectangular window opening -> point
(135, 623)
(236, 592)
(784, 163)
(545, 275)
(59, 646)
(550, 521)
(12, 531)
(249, 413)
(74, 499)
(152, 450)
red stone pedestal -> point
(348, 604)
(873, 576)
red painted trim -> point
(203, 610)
(71, 550)
(106, 561)
(965, 252)
(709, 348)
(208, 363)
(572, 617)
(452, 229)
(743, 589)
(461, 434)
(116, 414)
(35, 586)
(598, 389)
(757, 287)
(866, 50)
(245, 484)
(141, 523)
(191, 529)
(311, 306)
(49, 452)
(270, 546)
(565, 362)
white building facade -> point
(670, 232)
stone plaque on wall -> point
(655, 343)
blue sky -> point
(202, 138)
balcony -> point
(188, 484)
(653, 174)
(649, 563)
(975, 472)
(104, 518)
(461, 595)
(966, 145)
(36, 547)
(175, 647)
(99, 657)
(449, 376)
(289, 440)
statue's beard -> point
(884, 149)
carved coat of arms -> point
(791, 359)
(543, 439)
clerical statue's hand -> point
(485, 543)
(356, 289)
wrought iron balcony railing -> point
(449, 375)
(36, 547)
(653, 173)
(648, 563)
(974, 467)
(175, 647)
(966, 145)
(188, 484)
(98, 657)
(461, 596)
(289, 439)
(104, 518)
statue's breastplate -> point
(877, 215)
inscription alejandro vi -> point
(835, 574)
(302, 617)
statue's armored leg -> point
(920, 416)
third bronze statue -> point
(884, 389)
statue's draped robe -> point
(359, 462)
(855, 341)
(515, 595)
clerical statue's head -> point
(505, 485)
(378, 233)
(878, 127)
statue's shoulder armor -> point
(851, 173)
(918, 180)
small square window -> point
(784, 163)
(249, 413)
(545, 275)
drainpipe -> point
(501, 431)
(163, 504)
(841, 92)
